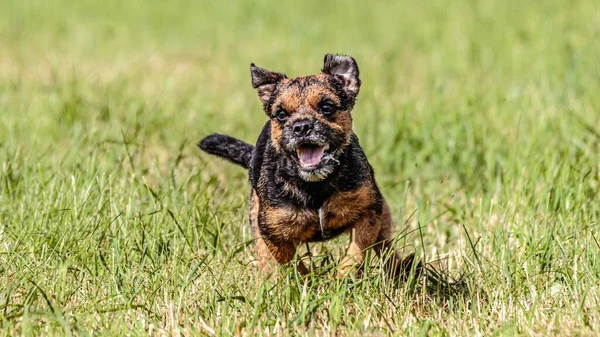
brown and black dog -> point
(311, 180)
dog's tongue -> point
(310, 156)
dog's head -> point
(310, 116)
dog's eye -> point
(326, 108)
(281, 115)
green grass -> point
(481, 120)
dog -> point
(311, 180)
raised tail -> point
(234, 150)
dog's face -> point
(311, 120)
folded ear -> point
(265, 82)
(345, 69)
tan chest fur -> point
(297, 224)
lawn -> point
(480, 118)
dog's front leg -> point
(270, 253)
(363, 236)
(396, 267)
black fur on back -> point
(232, 149)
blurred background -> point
(455, 93)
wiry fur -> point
(232, 149)
(293, 202)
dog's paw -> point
(348, 268)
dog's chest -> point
(303, 225)
(337, 214)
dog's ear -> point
(345, 69)
(265, 82)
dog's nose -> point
(302, 128)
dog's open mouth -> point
(311, 155)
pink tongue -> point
(310, 156)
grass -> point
(480, 118)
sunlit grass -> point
(480, 119)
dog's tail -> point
(234, 150)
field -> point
(480, 118)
